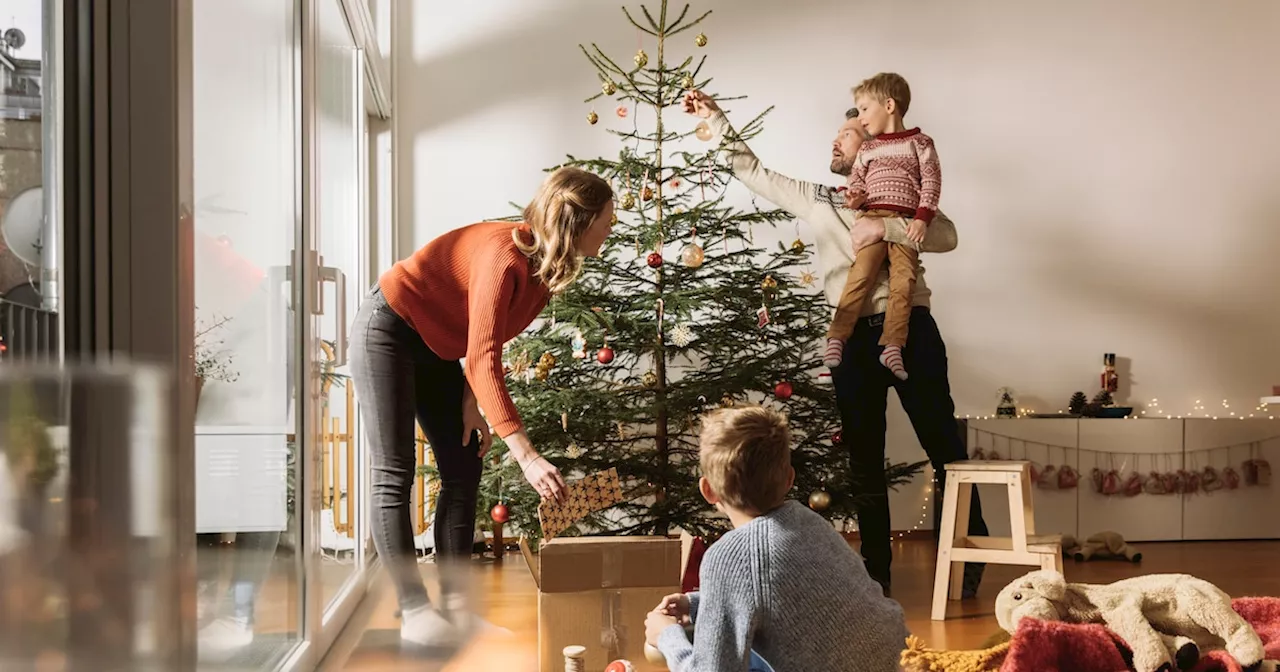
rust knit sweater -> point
(467, 293)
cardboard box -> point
(596, 591)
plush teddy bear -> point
(1101, 546)
(1161, 617)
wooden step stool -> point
(956, 548)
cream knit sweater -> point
(823, 208)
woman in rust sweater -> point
(462, 296)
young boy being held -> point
(783, 585)
(896, 173)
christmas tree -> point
(681, 314)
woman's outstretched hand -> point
(544, 477)
(700, 104)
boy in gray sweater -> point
(783, 585)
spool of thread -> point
(575, 659)
(653, 655)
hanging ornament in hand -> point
(608, 88)
(819, 500)
(692, 255)
(592, 117)
(700, 40)
(687, 82)
(654, 260)
(641, 59)
(628, 201)
(783, 390)
(621, 111)
(703, 131)
(604, 355)
(499, 513)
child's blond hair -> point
(884, 86)
(745, 454)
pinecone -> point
(1103, 398)
(1076, 405)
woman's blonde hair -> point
(561, 212)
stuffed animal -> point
(1101, 546)
(1160, 616)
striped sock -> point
(834, 353)
(891, 358)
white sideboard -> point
(1141, 445)
(241, 478)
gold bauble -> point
(614, 220)
(768, 283)
(700, 40)
(641, 59)
(819, 500)
(703, 131)
(650, 379)
(646, 194)
(608, 88)
(547, 359)
(797, 246)
(628, 201)
(727, 401)
(687, 82)
(592, 118)
(692, 255)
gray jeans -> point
(398, 380)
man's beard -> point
(841, 167)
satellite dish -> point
(15, 38)
(22, 224)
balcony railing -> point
(29, 334)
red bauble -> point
(604, 355)
(620, 666)
(654, 260)
(837, 438)
(499, 513)
(782, 390)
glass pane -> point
(246, 133)
(30, 38)
(339, 240)
(86, 554)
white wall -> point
(1109, 165)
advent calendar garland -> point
(1132, 474)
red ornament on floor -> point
(654, 260)
(499, 513)
(604, 355)
(783, 390)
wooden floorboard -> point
(508, 597)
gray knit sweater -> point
(789, 587)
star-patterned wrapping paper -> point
(583, 497)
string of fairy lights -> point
(1198, 411)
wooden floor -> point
(508, 598)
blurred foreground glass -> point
(89, 574)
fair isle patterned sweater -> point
(899, 172)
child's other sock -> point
(834, 353)
(891, 358)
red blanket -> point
(1043, 646)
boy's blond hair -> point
(884, 86)
(745, 454)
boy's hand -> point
(916, 230)
(654, 624)
(676, 606)
(854, 199)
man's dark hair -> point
(851, 113)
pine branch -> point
(639, 27)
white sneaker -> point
(223, 638)
(425, 626)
